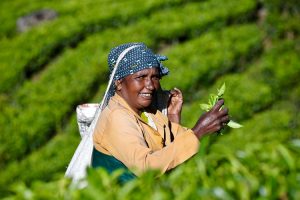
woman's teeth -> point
(146, 95)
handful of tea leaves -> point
(213, 100)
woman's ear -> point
(118, 84)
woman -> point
(131, 131)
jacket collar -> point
(117, 99)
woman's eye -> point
(156, 78)
(139, 77)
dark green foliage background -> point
(251, 45)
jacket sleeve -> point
(124, 140)
(177, 129)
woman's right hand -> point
(212, 121)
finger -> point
(218, 105)
(172, 92)
(217, 124)
(216, 128)
(179, 93)
(225, 120)
(175, 91)
(223, 112)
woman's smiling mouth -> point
(146, 95)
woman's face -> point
(139, 88)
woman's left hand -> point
(175, 105)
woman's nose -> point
(149, 84)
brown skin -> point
(175, 105)
(212, 121)
(139, 90)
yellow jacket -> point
(122, 133)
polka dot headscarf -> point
(131, 58)
(137, 59)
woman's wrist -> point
(198, 133)
(177, 114)
(174, 118)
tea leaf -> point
(233, 124)
(213, 99)
(221, 91)
(287, 157)
(205, 107)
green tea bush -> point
(201, 17)
(49, 161)
(208, 43)
(211, 55)
(18, 8)
(63, 76)
(281, 67)
(242, 165)
(259, 86)
(269, 78)
(30, 52)
(281, 20)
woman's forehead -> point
(153, 70)
(148, 71)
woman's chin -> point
(146, 103)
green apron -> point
(111, 164)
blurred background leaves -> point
(57, 63)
